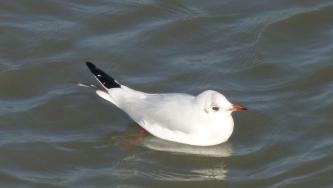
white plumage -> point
(201, 120)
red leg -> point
(135, 141)
(142, 132)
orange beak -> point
(238, 108)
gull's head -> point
(214, 102)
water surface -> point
(274, 57)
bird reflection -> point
(215, 170)
(154, 143)
(160, 159)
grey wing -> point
(170, 111)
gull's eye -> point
(215, 108)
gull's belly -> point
(201, 134)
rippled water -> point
(275, 57)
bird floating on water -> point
(201, 120)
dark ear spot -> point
(215, 108)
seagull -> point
(202, 120)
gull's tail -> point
(107, 81)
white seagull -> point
(201, 120)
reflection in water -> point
(168, 161)
(204, 170)
(221, 150)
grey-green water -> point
(274, 57)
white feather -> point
(175, 117)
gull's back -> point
(168, 112)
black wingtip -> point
(90, 65)
(106, 80)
